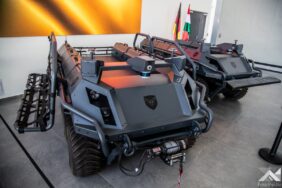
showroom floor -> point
(226, 156)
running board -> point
(33, 113)
(251, 82)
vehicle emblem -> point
(151, 101)
(233, 64)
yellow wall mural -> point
(69, 17)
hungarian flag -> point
(187, 26)
(176, 27)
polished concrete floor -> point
(226, 156)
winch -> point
(171, 152)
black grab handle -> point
(205, 108)
(192, 63)
(150, 48)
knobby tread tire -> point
(85, 154)
(236, 94)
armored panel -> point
(231, 65)
(152, 103)
(70, 65)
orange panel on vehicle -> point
(117, 63)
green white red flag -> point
(177, 23)
(187, 26)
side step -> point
(33, 113)
(251, 82)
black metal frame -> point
(267, 65)
(179, 49)
(148, 37)
(94, 51)
(39, 97)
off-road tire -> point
(235, 94)
(85, 154)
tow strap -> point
(180, 174)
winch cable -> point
(44, 177)
(136, 171)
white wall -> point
(255, 23)
(23, 55)
(20, 56)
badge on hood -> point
(151, 101)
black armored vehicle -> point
(222, 68)
(116, 101)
